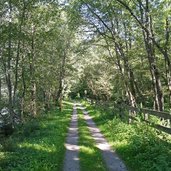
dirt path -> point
(113, 162)
(71, 162)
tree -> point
(117, 25)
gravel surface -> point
(71, 162)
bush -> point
(7, 145)
(31, 127)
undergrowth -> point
(38, 145)
(141, 147)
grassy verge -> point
(38, 145)
(139, 145)
(90, 155)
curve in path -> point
(71, 161)
(113, 162)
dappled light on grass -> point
(41, 148)
(87, 150)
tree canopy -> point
(104, 50)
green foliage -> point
(95, 78)
(31, 127)
(7, 145)
(117, 30)
(140, 146)
(39, 145)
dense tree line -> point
(136, 35)
(34, 54)
(100, 49)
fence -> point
(134, 111)
(164, 117)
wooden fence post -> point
(168, 123)
(129, 118)
(145, 116)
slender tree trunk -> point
(167, 59)
(23, 83)
(128, 76)
(8, 73)
(32, 74)
(129, 93)
(149, 45)
(47, 98)
(133, 84)
(126, 73)
(59, 93)
(61, 81)
(18, 54)
(33, 99)
(23, 94)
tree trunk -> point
(149, 45)
(32, 74)
(33, 99)
(128, 76)
(8, 71)
(150, 41)
(167, 59)
(61, 82)
(23, 85)
(18, 55)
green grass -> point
(38, 145)
(140, 146)
(90, 155)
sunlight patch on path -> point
(71, 162)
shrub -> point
(7, 145)
(31, 127)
